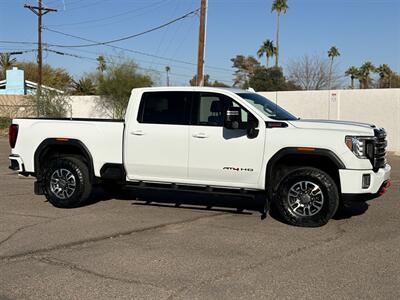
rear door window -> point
(164, 108)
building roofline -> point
(34, 84)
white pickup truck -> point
(208, 140)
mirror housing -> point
(252, 131)
(233, 118)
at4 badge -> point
(237, 169)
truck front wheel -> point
(307, 197)
(66, 182)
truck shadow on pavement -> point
(218, 203)
(352, 209)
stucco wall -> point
(87, 107)
(378, 106)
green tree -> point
(280, 6)
(364, 76)
(207, 82)
(268, 49)
(116, 84)
(206, 79)
(353, 72)
(102, 66)
(6, 62)
(270, 79)
(51, 104)
(84, 86)
(245, 67)
(57, 78)
(395, 81)
(217, 83)
(385, 76)
(332, 53)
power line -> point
(147, 62)
(17, 52)
(135, 59)
(65, 5)
(119, 48)
(163, 2)
(141, 68)
(95, 60)
(128, 50)
(17, 42)
(161, 41)
(133, 35)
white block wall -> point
(378, 106)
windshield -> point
(267, 107)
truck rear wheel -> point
(66, 182)
(307, 197)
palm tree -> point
(365, 71)
(167, 69)
(84, 86)
(353, 72)
(268, 49)
(6, 62)
(384, 72)
(102, 63)
(280, 6)
(332, 53)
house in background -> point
(15, 84)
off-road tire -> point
(329, 191)
(82, 179)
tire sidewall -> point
(328, 188)
(80, 174)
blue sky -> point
(362, 30)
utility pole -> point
(202, 35)
(40, 11)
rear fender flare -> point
(47, 145)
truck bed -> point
(102, 138)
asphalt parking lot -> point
(133, 249)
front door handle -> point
(137, 132)
(200, 135)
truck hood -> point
(361, 128)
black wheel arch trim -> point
(49, 142)
(113, 171)
(302, 151)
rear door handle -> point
(137, 132)
(200, 135)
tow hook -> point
(384, 188)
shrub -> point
(4, 122)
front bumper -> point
(351, 181)
(16, 163)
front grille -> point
(378, 160)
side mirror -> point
(233, 118)
(252, 131)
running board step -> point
(192, 189)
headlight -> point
(362, 147)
